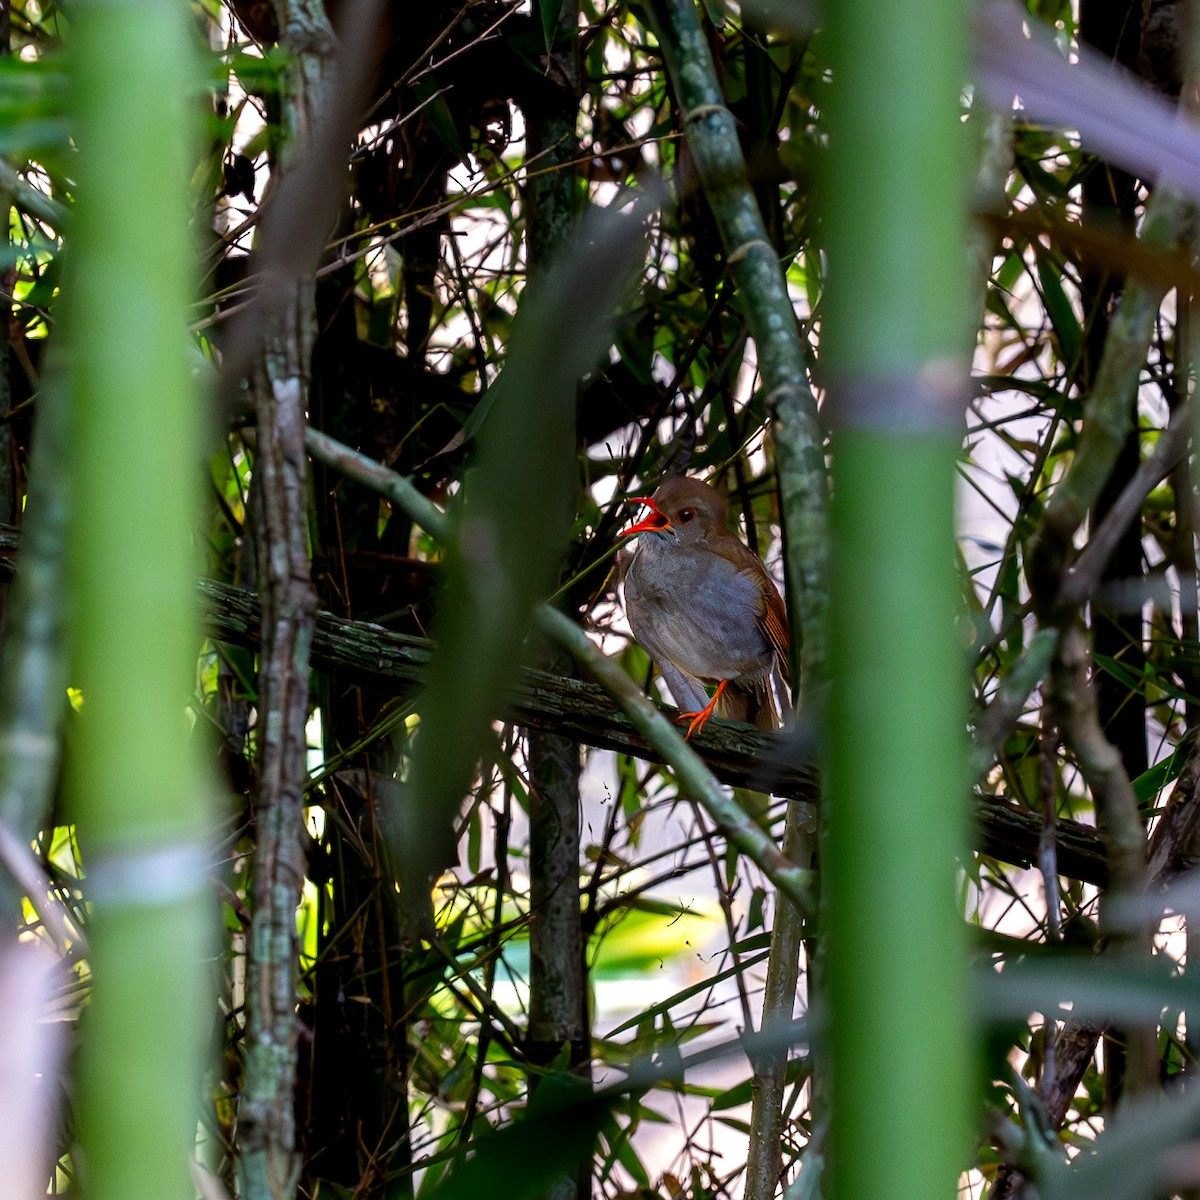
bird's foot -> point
(700, 719)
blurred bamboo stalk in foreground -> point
(135, 790)
(899, 1070)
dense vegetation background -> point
(422, 398)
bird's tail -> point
(767, 707)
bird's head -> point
(682, 510)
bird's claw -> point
(700, 717)
(697, 721)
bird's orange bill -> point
(655, 521)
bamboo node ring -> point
(702, 110)
(743, 251)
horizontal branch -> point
(736, 754)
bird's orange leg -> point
(700, 719)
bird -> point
(701, 602)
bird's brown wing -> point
(773, 619)
(774, 623)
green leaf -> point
(1148, 784)
(520, 1161)
(1061, 313)
(647, 939)
(687, 993)
(437, 112)
(549, 11)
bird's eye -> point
(687, 514)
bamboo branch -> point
(736, 755)
(1108, 412)
(1055, 594)
(1172, 850)
(1084, 573)
(559, 1013)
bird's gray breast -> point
(696, 610)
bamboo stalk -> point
(899, 1070)
(134, 788)
(269, 1165)
(558, 974)
(753, 263)
(511, 526)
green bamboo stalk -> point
(899, 1072)
(782, 361)
(135, 789)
